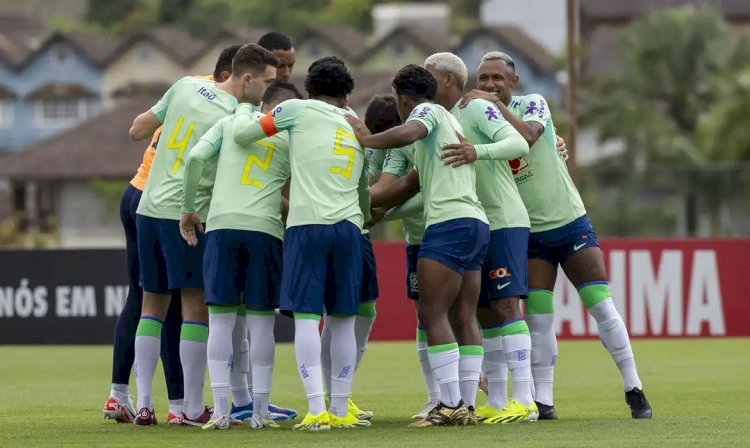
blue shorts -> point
(241, 264)
(322, 269)
(412, 281)
(557, 245)
(165, 259)
(370, 290)
(460, 244)
(505, 270)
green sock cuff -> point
(367, 309)
(540, 302)
(594, 294)
(222, 309)
(442, 347)
(241, 311)
(194, 332)
(492, 332)
(421, 335)
(252, 312)
(149, 327)
(517, 327)
(308, 316)
(471, 350)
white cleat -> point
(429, 406)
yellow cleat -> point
(357, 412)
(320, 422)
(442, 415)
(486, 411)
(514, 412)
(347, 422)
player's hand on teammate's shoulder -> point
(359, 127)
(457, 154)
(477, 94)
(189, 224)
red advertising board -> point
(662, 288)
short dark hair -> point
(331, 80)
(252, 58)
(279, 89)
(415, 82)
(224, 63)
(275, 41)
(382, 113)
(326, 60)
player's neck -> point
(450, 98)
(231, 88)
(333, 101)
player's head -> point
(223, 69)
(450, 74)
(278, 92)
(382, 113)
(413, 85)
(326, 60)
(281, 46)
(497, 74)
(330, 80)
(254, 69)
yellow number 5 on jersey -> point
(262, 164)
(342, 150)
(180, 146)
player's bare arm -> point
(529, 130)
(144, 126)
(398, 136)
(397, 192)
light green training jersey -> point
(249, 178)
(188, 109)
(329, 181)
(483, 124)
(549, 194)
(399, 161)
(449, 193)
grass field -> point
(699, 389)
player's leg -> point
(170, 359)
(119, 406)
(325, 356)
(494, 367)
(585, 268)
(471, 352)
(156, 300)
(242, 403)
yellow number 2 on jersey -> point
(262, 164)
(180, 146)
(340, 149)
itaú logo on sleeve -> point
(517, 165)
(499, 273)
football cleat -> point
(513, 412)
(121, 412)
(471, 418)
(347, 422)
(145, 417)
(201, 420)
(430, 405)
(442, 415)
(262, 423)
(486, 411)
(245, 413)
(639, 406)
(320, 422)
(174, 419)
(219, 423)
(277, 411)
(357, 412)
(546, 412)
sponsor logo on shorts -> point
(578, 246)
(413, 282)
(499, 273)
(504, 285)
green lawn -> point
(699, 389)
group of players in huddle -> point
(488, 210)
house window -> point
(61, 110)
(399, 47)
(6, 113)
(61, 54)
(145, 52)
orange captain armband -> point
(267, 124)
(141, 176)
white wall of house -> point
(543, 20)
(86, 219)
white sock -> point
(193, 357)
(262, 354)
(220, 360)
(249, 368)
(147, 350)
(325, 355)
(307, 351)
(240, 364)
(433, 389)
(176, 406)
(469, 368)
(120, 392)
(362, 328)
(445, 369)
(496, 372)
(517, 348)
(343, 359)
(543, 355)
(614, 336)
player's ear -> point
(514, 80)
(247, 78)
(224, 75)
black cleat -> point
(546, 412)
(639, 407)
